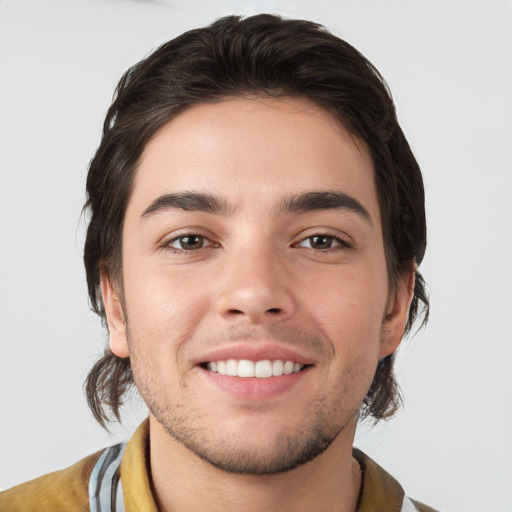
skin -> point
(256, 277)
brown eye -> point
(188, 242)
(323, 243)
(320, 242)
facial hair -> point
(285, 452)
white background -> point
(449, 65)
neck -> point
(185, 483)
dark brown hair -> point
(261, 55)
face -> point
(255, 302)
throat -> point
(183, 482)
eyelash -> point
(168, 244)
(341, 244)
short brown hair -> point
(261, 55)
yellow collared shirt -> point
(67, 489)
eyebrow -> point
(308, 201)
(330, 200)
(189, 201)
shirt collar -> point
(379, 490)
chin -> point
(257, 454)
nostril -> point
(255, 314)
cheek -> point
(163, 311)
(349, 303)
(349, 309)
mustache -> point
(314, 344)
(289, 336)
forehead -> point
(254, 150)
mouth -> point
(253, 372)
(262, 369)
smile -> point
(260, 369)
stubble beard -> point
(238, 455)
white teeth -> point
(277, 368)
(263, 369)
(288, 367)
(260, 369)
(232, 367)
(245, 368)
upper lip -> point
(254, 351)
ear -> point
(396, 314)
(115, 317)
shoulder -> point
(380, 491)
(66, 489)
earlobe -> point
(396, 315)
(115, 317)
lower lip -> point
(253, 388)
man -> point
(256, 223)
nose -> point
(255, 286)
